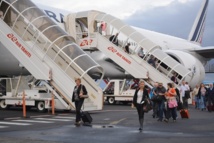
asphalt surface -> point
(115, 124)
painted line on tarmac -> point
(65, 117)
(33, 121)
(1, 127)
(14, 118)
(117, 122)
(48, 119)
(38, 116)
(64, 114)
(14, 123)
(113, 111)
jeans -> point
(78, 105)
(160, 109)
(155, 109)
(202, 102)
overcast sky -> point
(173, 17)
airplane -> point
(187, 52)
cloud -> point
(119, 8)
(176, 19)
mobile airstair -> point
(48, 52)
(94, 36)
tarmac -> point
(116, 124)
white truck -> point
(121, 90)
(37, 95)
(118, 90)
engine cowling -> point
(190, 62)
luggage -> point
(210, 108)
(184, 113)
(86, 117)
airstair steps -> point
(166, 64)
(43, 48)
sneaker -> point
(77, 123)
(166, 120)
(140, 129)
(159, 120)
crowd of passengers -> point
(202, 97)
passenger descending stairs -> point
(116, 53)
(46, 58)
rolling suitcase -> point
(184, 113)
(86, 117)
(209, 108)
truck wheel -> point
(3, 105)
(111, 100)
(40, 106)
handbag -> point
(83, 96)
(157, 98)
(147, 106)
(172, 103)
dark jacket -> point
(145, 95)
(210, 93)
(78, 92)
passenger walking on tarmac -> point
(210, 98)
(114, 39)
(201, 97)
(194, 96)
(127, 48)
(141, 94)
(160, 91)
(184, 90)
(154, 103)
(78, 97)
(171, 103)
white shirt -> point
(139, 96)
(184, 88)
